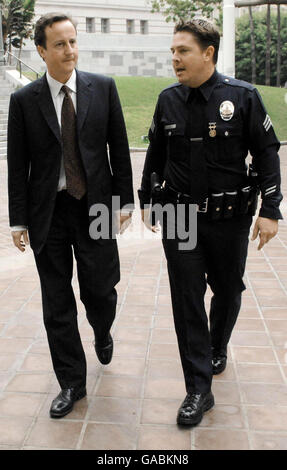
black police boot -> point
(193, 407)
(219, 360)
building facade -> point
(116, 37)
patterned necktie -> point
(194, 131)
(74, 170)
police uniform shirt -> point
(218, 123)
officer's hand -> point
(146, 220)
(266, 228)
(20, 239)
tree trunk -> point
(20, 48)
(253, 51)
(268, 45)
(253, 3)
(278, 78)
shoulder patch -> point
(267, 123)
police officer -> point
(202, 130)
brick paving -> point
(132, 403)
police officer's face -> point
(192, 65)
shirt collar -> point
(207, 87)
(56, 86)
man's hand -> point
(266, 228)
(146, 220)
(20, 239)
(125, 220)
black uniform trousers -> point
(218, 259)
(69, 232)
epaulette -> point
(235, 82)
(173, 85)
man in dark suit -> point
(58, 168)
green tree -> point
(243, 48)
(25, 27)
(175, 10)
(253, 47)
(11, 13)
(16, 21)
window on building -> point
(144, 27)
(130, 26)
(90, 25)
(105, 25)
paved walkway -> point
(132, 403)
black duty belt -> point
(219, 205)
(181, 198)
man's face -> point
(61, 52)
(189, 61)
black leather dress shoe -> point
(105, 349)
(219, 361)
(64, 402)
(193, 407)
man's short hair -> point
(204, 31)
(48, 20)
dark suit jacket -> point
(34, 151)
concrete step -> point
(3, 126)
(6, 90)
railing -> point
(22, 67)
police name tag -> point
(170, 126)
(226, 110)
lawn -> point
(139, 95)
(275, 100)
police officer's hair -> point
(204, 31)
(48, 20)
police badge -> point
(226, 110)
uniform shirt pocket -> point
(177, 144)
(227, 144)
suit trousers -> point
(98, 273)
(218, 260)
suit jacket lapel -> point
(47, 107)
(83, 98)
